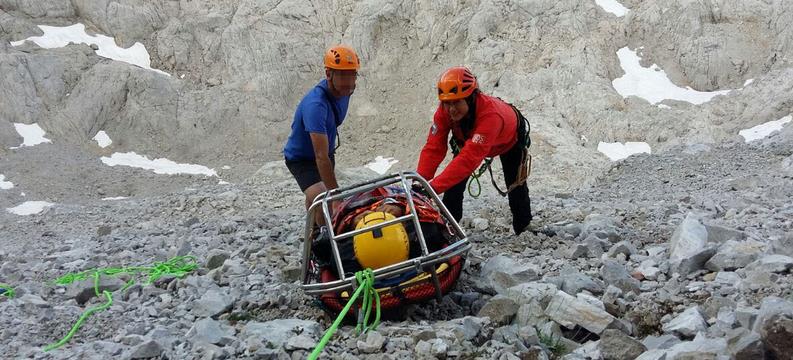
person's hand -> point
(335, 206)
(417, 188)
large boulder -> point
(569, 311)
(616, 345)
(734, 255)
(777, 335)
(615, 274)
(501, 273)
(687, 324)
(689, 246)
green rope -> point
(475, 178)
(476, 175)
(178, 266)
(365, 279)
(7, 291)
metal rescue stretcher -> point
(435, 272)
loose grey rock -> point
(689, 246)
(84, 290)
(687, 324)
(769, 308)
(501, 272)
(211, 331)
(622, 247)
(734, 255)
(569, 311)
(616, 345)
(300, 342)
(145, 350)
(500, 309)
(575, 282)
(374, 343)
(701, 347)
(277, 332)
(212, 303)
(654, 354)
(481, 224)
(215, 258)
(745, 345)
(777, 335)
(720, 234)
(601, 226)
(772, 264)
(661, 342)
(616, 274)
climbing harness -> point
(365, 280)
(178, 266)
(524, 170)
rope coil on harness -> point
(523, 171)
(365, 281)
(178, 266)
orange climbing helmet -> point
(456, 83)
(342, 57)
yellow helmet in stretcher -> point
(380, 247)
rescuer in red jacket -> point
(481, 126)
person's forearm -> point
(326, 173)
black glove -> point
(418, 189)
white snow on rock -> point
(618, 151)
(56, 37)
(102, 139)
(159, 166)
(381, 165)
(31, 134)
(5, 185)
(29, 207)
(760, 131)
(613, 6)
(114, 198)
(652, 84)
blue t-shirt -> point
(314, 115)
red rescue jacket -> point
(494, 133)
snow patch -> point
(159, 166)
(613, 6)
(760, 131)
(618, 151)
(32, 134)
(664, 106)
(381, 165)
(102, 139)
(29, 208)
(115, 198)
(5, 185)
(652, 84)
(56, 37)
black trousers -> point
(519, 202)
